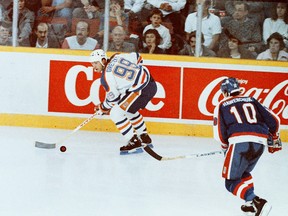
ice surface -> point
(92, 179)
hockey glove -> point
(101, 110)
(274, 143)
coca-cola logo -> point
(266, 96)
(94, 92)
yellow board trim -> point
(106, 125)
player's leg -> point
(118, 116)
(239, 162)
(134, 101)
(139, 126)
(261, 205)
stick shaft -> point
(161, 158)
(86, 121)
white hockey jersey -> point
(123, 73)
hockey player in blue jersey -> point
(129, 87)
(242, 125)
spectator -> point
(117, 17)
(211, 26)
(247, 30)
(234, 49)
(278, 22)
(81, 40)
(256, 9)
(171, 11)
(5, 38)
(118, 43)
(156, 20)
(189, 48)
(26, 20)
(88, 10)
(152, 39)
(40, 37)
(275, 51)
(56, 8)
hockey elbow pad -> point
(274, 143)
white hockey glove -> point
(101, 110)
(274, 143)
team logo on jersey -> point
(125, 105)
(110, 96)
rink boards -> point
(58, 89)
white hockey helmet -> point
(97, 55)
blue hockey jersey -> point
(243, 119)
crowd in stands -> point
(230, 29)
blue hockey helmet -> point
(230, 85)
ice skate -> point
(262, 206)
(146, 140)
(133, 146)
(248, 208)
(257, 207)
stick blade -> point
(45, 145)
(152, 153)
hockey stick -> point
(161, 158)
(53, 145)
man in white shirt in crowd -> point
(81, 40)
(211, 26)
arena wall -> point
(54, 88)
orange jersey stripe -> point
(124, 126)
(137, 122)
(125, 104)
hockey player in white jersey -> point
(129, 87)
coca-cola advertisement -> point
(201, 91)
(188, 95)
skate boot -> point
(146, 140)
(262, 206)
(257, 207)
(133, 146)
(248, 208)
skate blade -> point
(265, 210)
(133, 151)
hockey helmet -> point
(97, 55)
(230, 85)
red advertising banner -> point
(201, 91)
(75, 88)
